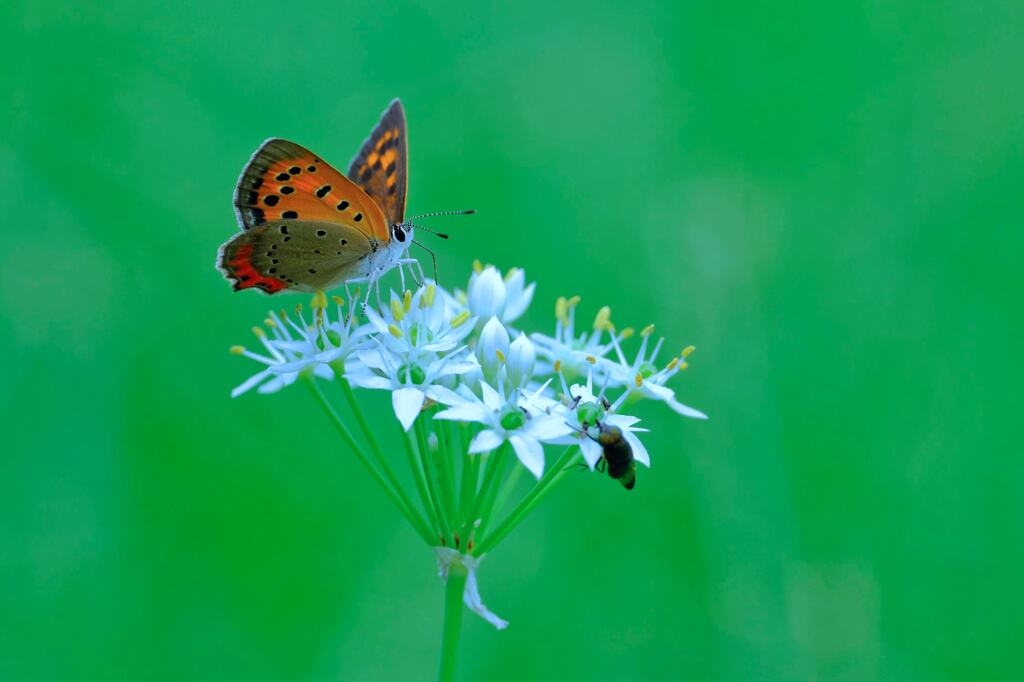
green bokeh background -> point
(824, 197)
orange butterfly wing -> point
(284, 181)
(381, 167)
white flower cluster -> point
(462, 351)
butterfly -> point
(307, 227)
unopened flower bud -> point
(492, 346)
(521, 359)
(487, 293)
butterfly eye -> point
(399, 233)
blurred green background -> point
(824, 197)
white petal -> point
(529, 452)
(275, 384)
(464, 412)
(324, 372)
(407, 403)
(490, 396)
(514, 308)
(484, 441)
(368, 380)
(471, 597)
(623, 421)
(547, 427)
(591, 452)
(685, 410)
(443, 395)
(378, 322)
(639, 451)
(249, 383)
(373, 359)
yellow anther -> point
(355, 294)
(319, 300)
(298, 309)
(574, 301)
(396, 310)
(558, 365)
(460, 318)
(477, 265)
(627, 333)
(683, 365)
(258, 331)
(429, 295)
(647, 331)
(338, 299)
(284, 315)
(686, 351)
(510, 274)
(237, 350)
(561, 308)
(639, 380)
(501, 356)
(395, 331)
(601, 320)
(672, 364)
(407, 300)
(270, 323)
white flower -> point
(571, 354)
(313, 348)
(493, 346)
(642, 379)
(521, 360)
(322, 343)
(591, 412)
(520, 423)
(410, 383)
(420, 324)
(490, 295)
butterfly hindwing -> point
(284, 181)
(295, 255)
(381, 166)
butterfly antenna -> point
(433, 258)
(469, 211)
(442, 235)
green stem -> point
(445, 482)
(447, 458)
(351, 442)
(506, 490)
(428, 473)
(531, 500)
(418, 475)
(470, 483)
(418, 522)
(485, 489)
(452, 621)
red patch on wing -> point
(247, 277)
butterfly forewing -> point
(294, 254)
(284, 181)
(381, 166)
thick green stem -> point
(531, 500)
(354, 446)
(418, 522)
(452, 621)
